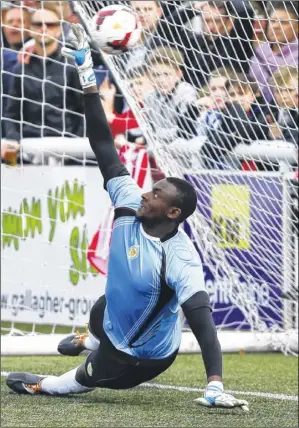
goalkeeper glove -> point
(215, 397)
(81, 54)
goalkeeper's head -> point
(171, 200)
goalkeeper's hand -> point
(80, 53)
(214, 396)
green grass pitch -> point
(150, 407)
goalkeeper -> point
(134, 330)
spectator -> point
(239, 119)
(141, 87)
(119, 123)
(281, 47)
(212, 96)
(284, 115)
(167, 105)
(149, 13)
(243, 95)
(15, 32)
(217, 86)
(45, 96)
(16, 23)
(125, 123)
(260, 21)
(66, 16)
(225, 41)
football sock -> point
(62, 385)
(90, 342)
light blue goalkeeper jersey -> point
(147, 280)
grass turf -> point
(272, 373)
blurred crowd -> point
(224, 73)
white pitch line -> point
(282, 397)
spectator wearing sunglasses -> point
(45, 97)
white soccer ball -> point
(116, 29)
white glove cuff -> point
(215, 385)
(87, 78)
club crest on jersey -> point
(133, 252)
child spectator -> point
(125, 123)
(149, 13)
(281, 49)
(212, 96)
(284, 110)
(124, 126)
(239, 120)
(166, 107)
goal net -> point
(212, 108)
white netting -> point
(213, 86)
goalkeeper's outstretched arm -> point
(100, 136)
(98, 129)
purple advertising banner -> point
(245, 213)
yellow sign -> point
(231, 215)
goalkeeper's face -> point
(45, 27)
(158, 205)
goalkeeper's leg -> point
(74, 344)
(27, 383)
(104, 368)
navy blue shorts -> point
(107, 367)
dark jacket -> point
(40, 104)
(10, 59)
(202, 56)
(288, 120)
(234, 126)
(290, 127)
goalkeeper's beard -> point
(152, 222)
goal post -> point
(244, 228)
(237, 212)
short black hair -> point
(186, 198)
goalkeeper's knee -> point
(85, 375)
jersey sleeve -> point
(189, 281)
(124, 192)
